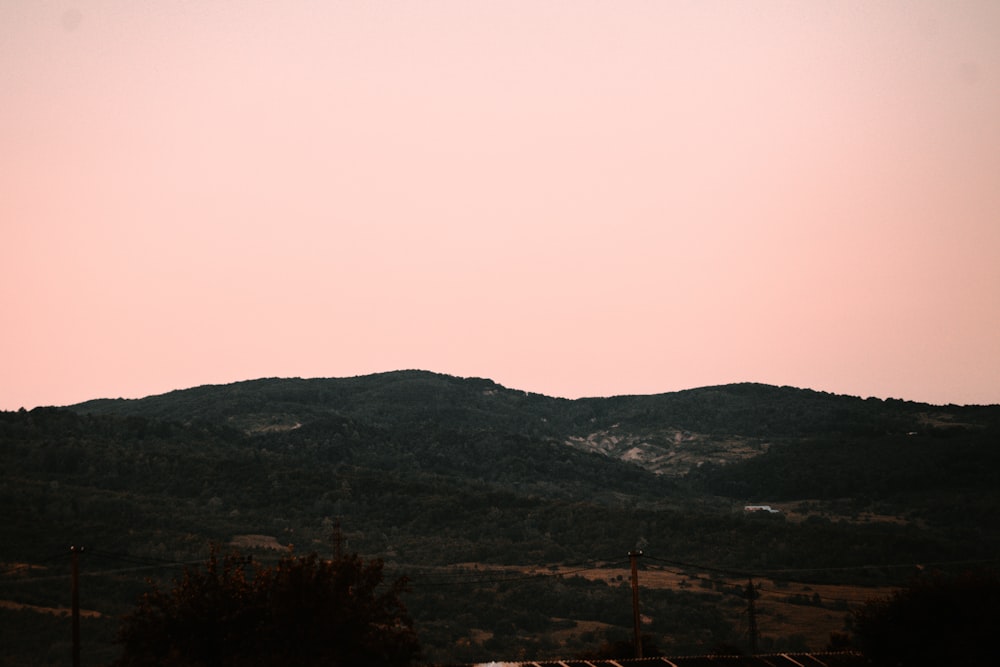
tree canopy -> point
(303, 611)
(936, 620)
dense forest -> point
(514, 537)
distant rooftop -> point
(838, 659)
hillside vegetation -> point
(511, 512)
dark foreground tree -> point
(937, 620)
(302, 611)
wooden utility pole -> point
(338, 541)
(633, 557)
(752, 615)
(75, 594)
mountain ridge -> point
(718, 424)
(488, 381)
(447, 479)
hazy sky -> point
(573, 198)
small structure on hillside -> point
(760, 508)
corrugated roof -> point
(838, 659)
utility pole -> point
(752, 615)
(633, 557)
(338, 541)
(75, 594)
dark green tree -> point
(302, 611)
(936, 620)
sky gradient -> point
(571, 198)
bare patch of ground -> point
(19, 569)
(671, 452)
(56, 611)
(265, 423)
(941, 420)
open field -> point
(783, 609)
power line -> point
(140, 567)
(519, 577)
(465, 576)
(847, 568)
(893, 566)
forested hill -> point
(430, 472)
(745, 442)
(672, 433)
(407, 398)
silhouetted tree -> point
(936, 620)
(302, 611)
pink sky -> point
(572, 198)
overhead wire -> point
(518, 576)
(765, 573)
(450, 575)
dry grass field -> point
(809, 611)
